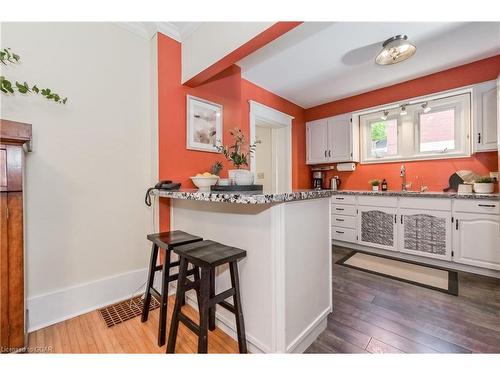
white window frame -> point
(409, 127)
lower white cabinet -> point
(476, 240)
(377, 227)
(425, 233)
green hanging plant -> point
(7, 57)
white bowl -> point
(244, 179)
(484, 188)
(204, 182)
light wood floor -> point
(88, 334)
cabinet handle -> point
(486, 205)
(395, 221)
(339, 209)
(325, 153)
(339, 198)
(339, 219)
(401, 219)
(338, 231)
(456, 224)
(329, 153)
(478, 137)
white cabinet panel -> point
(476, 240)
(317, 141)
(479, 206)
(425, 233)
(344, 234)
(344, 199)
(377, 227)
(485, 118)
(343, 209)
(339, 138)
(344, 221)
(332, 140)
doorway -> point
(271, 131)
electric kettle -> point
(335, 183)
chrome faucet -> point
(402, 173)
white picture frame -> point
(203, 118)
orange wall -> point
(227, 88)
(250, 91)
(433, 173)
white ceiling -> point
(318, 62)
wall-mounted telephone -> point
(162, 185)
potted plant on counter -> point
(238, 153)
(484, 185)
(375, 184)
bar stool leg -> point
(174, 325)
(240, 324)
(204, 307)
(164, 298)
(211, 310)
(197, 278)
(151, 278)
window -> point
(384, 138)
(428, 128)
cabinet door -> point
(485, 137)
(377, 227)
(317, 141)
(425, 233)
(476, 240)
(339, 138)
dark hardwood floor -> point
(379, 315)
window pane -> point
(384, 138)
(437, 131)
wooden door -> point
(317, 141)
(4, 272)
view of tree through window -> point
(384, 138)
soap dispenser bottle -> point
(384, 185)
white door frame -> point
(276, 119)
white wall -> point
(214, 40)
(91, 162)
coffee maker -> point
(317, 180)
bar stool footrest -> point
(228, 306)
(221, 297)
(189, 323)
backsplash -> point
(431, 173)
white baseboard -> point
(54, 307)
(310, 334)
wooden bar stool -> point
(167, 241)
(206, 256)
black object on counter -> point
(453, 182)
(237, 188)
(384, 185)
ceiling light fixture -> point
(384, 116)
(395, 49)
(426, 107)
(403, 110)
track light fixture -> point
(403, 110)
(426, 108)
(384, 115)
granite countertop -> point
(416, 194)
(246, 197)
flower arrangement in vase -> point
(239, 154)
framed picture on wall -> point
(204, 124)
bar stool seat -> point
(206, 256)
(167, 241)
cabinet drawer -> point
(343, 234)
(343, 209)
(369, 200)
(344, 221)
(474, 205)
(439, 204)
(344, 199)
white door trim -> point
(276, 119)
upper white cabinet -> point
(317, 141)
(485, 117)
(332, 140)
